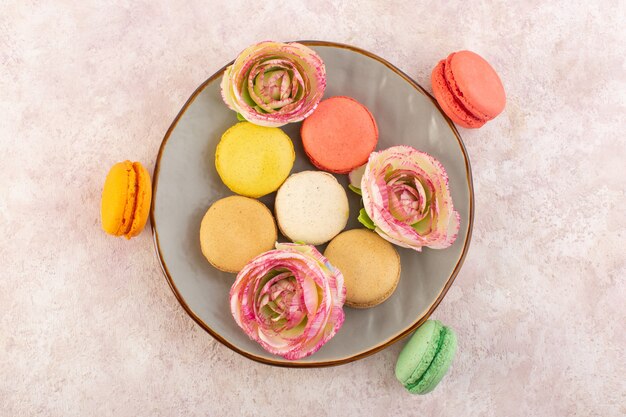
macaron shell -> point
(340, 135)
(370, 266)
(118, 199)
(440, 364)
(143, 200)
(254, 160)
(311, 207)
(419, 352)
(447, 101)
(476, 84)
(234, 230)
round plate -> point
(186, 183)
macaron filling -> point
(140, 194)
(131, 201)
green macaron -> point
(426, 357)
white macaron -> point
(311, 207)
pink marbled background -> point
(88, 324)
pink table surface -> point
(88, 325)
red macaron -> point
(339, 135)
(468, 89)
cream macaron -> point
(370, 266)
(311, 207)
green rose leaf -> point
(365, 220)
(355, 189)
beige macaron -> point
(370, 266)
(311, 207)
(234, 230)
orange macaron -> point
(340, 135)
(126, 198)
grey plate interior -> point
(186, 184)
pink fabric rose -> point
(290, 300)
(273, 83)
(406, 198)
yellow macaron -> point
(254, 160)
(370, 266)
(126, 198)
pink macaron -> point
(468, 89)
(340, 135)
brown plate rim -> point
(360, 355)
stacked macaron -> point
(288, 296)
(426, 357)
(468, 89)
(126, 199)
